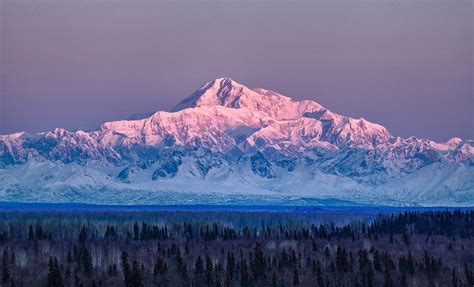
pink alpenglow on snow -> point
(228, 143)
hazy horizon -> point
(404, 64)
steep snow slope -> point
(227, 143)
(334, 128)
(228, 93)
(212, 127)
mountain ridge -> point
(226, 136)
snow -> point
(228, 93)
(55, 181)
(227, 143)
(11, 137)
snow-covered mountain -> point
(227, 143)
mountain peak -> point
(225, 79)
(228, 93)
(226, 133)
(223, 82)
(219, 92)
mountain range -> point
(229, 144)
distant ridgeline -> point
(229, 144)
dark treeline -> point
(132, 249)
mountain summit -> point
(319, 122)
(228, 93)
(227, 143)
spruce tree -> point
(258, 264)
(136, 275)
(319, 275)
(199, 266)
(454, 278)
(274, 280)
(31, 234)
(54, 273)
(244, 274)
(83, 235)
(230, 267)
(160, 267)
(5, 268)
(296, 277)
(208, 270)
(136, 231)
(469, 275)
(405, 236)
(86, 259)
(126, 269)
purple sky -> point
(75, 64)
